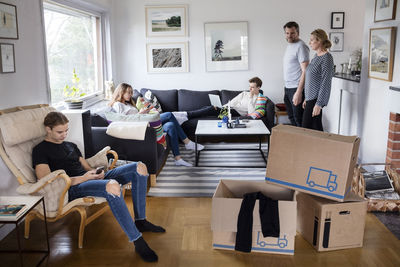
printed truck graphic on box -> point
(280, 241)
(321, 178)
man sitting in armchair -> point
(53, 153)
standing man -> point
(295, 62)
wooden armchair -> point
(21, 129)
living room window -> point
(74, 42)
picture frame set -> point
(162, 22)
(8, 30)
(381, 53)
(337, 38)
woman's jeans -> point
(123, 175)
(174, 131)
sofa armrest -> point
(145, 150)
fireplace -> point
(393, 146)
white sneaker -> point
(191, 145)
(181, 162)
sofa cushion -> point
(135, 95)
(227, 95)
(168, 98)
(191, 100)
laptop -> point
(215, 100)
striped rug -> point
(178, 181)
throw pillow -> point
(149, 99)
(127, 130)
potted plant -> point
(72, 94)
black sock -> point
(144, 250)
(146, 226)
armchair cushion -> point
(100, 159)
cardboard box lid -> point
(227, 201)
(351, 197)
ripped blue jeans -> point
(123, 175)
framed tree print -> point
(385, 10)
(226, 46)
(381, 53)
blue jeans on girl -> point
(174, 131)
(123, 175)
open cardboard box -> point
(226, 204)
(330, 225)
(311, 161)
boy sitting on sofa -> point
(249, 104)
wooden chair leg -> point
(28, 220)
(82, 212)
(153, 180)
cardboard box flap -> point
(236, 189)
(350, 197)
(314, 133)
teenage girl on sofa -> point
(122, 103)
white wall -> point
(374, 95)
(28, 84)
(266, 40)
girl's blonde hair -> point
(321, 36)
(118, 95)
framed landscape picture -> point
(167, 57)
(385, 10)
(166, 21)
(337, 41)
(8, 21)
(381, 53)
(226, 45)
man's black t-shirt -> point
(64, 156)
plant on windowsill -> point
(72, 94)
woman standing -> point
(318, 80)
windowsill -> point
(88, 101)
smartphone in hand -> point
(99, 170)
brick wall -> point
(393, 146)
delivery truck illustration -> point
(321, 178)
(280, 242)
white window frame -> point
(106, 67)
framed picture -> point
(8, 21)
(337, 20)
(166, 21)
(7, 58)
(167, 57)
(226, 46)
(385, 10)
(381, 53)
(337, 41)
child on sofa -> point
(122, 103)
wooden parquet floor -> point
(187, 242)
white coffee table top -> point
(210, 127)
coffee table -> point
(210, 128)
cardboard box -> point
(330, 225)
(226, 205)
(311, 161)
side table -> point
(31, 202)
